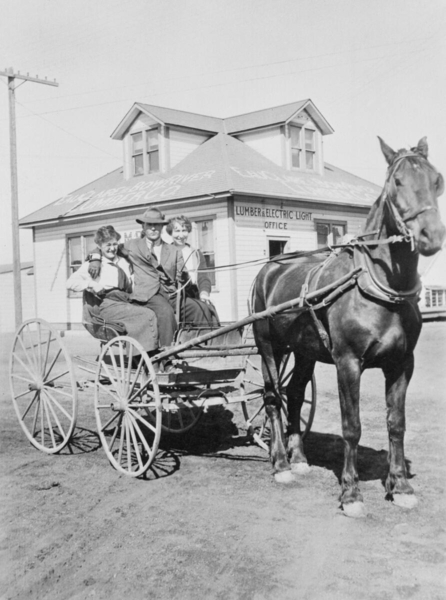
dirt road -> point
(211, 523)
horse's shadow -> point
(326, 450)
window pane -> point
(89, 245)
(322, 229)
(75, 250)
(137, 143)
(210, 264)
(309, 139)
(295, 158)
(205, 236)
(138, 165)
(154, 162)
(152, 139)
(295, 137)
(309, 160)
(338, 232)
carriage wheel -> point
(254, 410)
(43, 386)
(122, 396)
(179, 412)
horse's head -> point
(411, 192)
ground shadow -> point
(327, 450)
(82, 441)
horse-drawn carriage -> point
(357, 310)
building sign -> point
(270, 216)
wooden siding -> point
(267, 142)
(182, 143)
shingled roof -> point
(222, 165)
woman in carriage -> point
(108, 295)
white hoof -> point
(408, 501)
(284, 477)
(355, 510)
(300, 468)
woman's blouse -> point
(115, 274)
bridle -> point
(388, 192)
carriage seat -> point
(96, 325)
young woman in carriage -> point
(109, 295)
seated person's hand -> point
(94, 269)
(204, 297)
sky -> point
(371, 67)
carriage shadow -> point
(83, 441)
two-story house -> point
(254, 185)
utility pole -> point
(9, 73)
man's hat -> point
(152, 215)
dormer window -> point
(145, 152)
(303, 148)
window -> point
(329, 232)
(205, 231)
(295, 146)
(78, 248)
(145, 152)
(435, 298)
(276, 247)
(303, 148)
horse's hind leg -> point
(273, 403)
(397, 381)
(295, 391)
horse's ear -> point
(387, 151)
(423, 147)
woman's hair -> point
(105, 234)
(181, 220)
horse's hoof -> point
(408, 501)
(355, 510)
(300, 468)
(284, 477)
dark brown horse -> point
(373, 323)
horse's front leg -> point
(349, 378)
(398, 377)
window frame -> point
(196, 244)
(330, 223)
(146, 152)
(302, 148)
(70, 271)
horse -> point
(372, 322)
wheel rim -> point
(254, 410)
(123, 395)
(43, 386)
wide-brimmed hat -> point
(152, 215)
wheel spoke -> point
(140, 434)
(129, 449)
(56, 418)
(135, 380)
(110, 393)
(36, 413)
(143, 421)
(257, 412)
(59, 391)
(61, 408)
(49, 422)
(42, 426)
(121, 440)
(33, 374)
(32, 346)
(29, 405)
(129, 370)
(135, 443)
(24, 394)
(48, 381)
(112, 381)
(22, 379)
(110, 421)
(45, 362)
(53, 362)
(115, 367)
(116, 431)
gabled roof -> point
(276, 115)
(168, 116)
(222, 165)
(253, 120)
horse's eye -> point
(398, 181)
